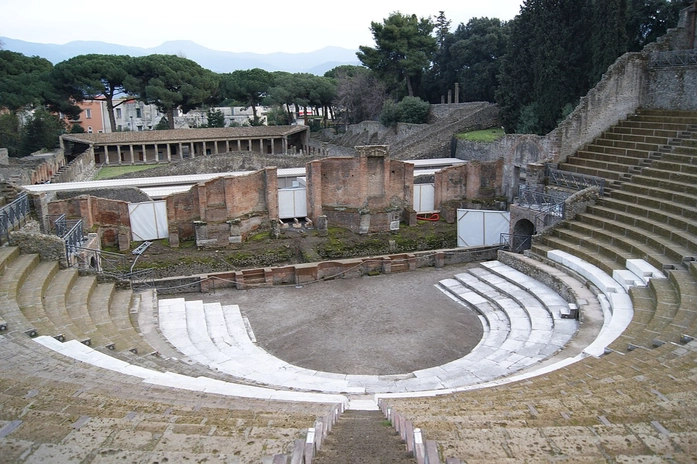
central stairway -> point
(363, 437)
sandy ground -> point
(387, 324)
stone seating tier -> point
(622, 406)
(54, 408)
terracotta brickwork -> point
(363, 193)
(474, 180)
(109, 216)
(246, 201)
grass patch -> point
(107, 172)
(486, 135)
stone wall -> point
(223, 210)
(81, 168)
(517, 151)
(33, 169)
(364, 194)
(672, 88)
(48, 247)
(311, 272)
(109, 217)
(472, 180)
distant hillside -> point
(317, 62)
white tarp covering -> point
(292, 203)
(476, 227)
(148, 220)
(424, 198)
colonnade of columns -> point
(166, 152)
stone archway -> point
(523, 230)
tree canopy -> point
(171, 83)
(403, 52)
(248, 87)
(94, 77)
(23, 80)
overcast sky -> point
(261, 26)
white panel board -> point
(424, 198)
(292, 203)
(478, 227)
(148, 220)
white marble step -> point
(76, 350)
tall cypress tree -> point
(609, 39)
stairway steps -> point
(667, 306)
(675, 229)
(652, 201)
(640, 187)
(363, 436)
(77, 306)
(7, 256)
(602, 165)
(626, 247)
(654, 123)
(626, 135)
(633, 158)
(682, 154)
(31, 300)
(119, 313)
(12, 280)
(667, 240)
(589, 252)
(677, 177)
(675, 186)
(99, 303)
(675, 166)
(685, 322)
(644, 304)
(586, 171)
(656, 212)
(54, 304)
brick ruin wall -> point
(224, 207)
(110, 218)
(473, 182)
(363, 193)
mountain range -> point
(317, 62)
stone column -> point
(118, 153)
(145, 154)
(106, 155)
(322, 226)
(169, 153)
(535, 176)
(457, 92)
(235, 231)
(133, 155)
(450, 96)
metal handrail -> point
(572, 180)
(515, 243)
(673, 58)
(13, 214)
(73, 239)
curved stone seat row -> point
(58, 410)
(39, 298)
(215, 335)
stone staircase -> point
(652, 216)
(80, 381)
(617, 408)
